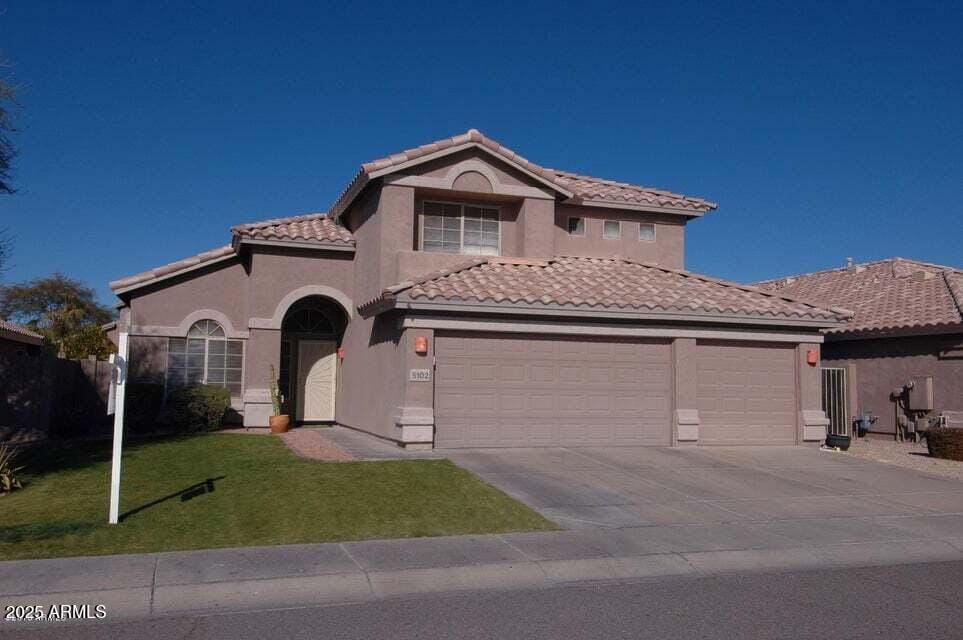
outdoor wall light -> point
(812, 357)
(421, 345)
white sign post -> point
(115, 402)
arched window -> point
(205, 356)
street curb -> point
(361, 585)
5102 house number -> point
(419, 375)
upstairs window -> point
(205, 356)
(460, 228)
(647, 232)
(576, 226)
(612, 230)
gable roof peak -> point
(576, 188)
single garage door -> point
(746, 393)
(508, 390)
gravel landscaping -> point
(909, 455)
(310, 443)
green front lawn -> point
(227, 490)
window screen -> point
(646, 231)
(455, 228)
(205, 356)
(612, 230)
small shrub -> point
(945, 443)
(8, 472)
(194, 409)
(142, 405)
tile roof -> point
(173, 268)
(579, 188)
(19, 333)
(886, 296)
(311, 227)
(603, 284)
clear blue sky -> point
(824, 130)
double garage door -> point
(511, 390)
(494, 390)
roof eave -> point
(123, 289)
(386, 303)
(15, 336)
(321, 245)
(877, 333)
(639, 206)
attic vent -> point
(921, 276)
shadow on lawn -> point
(53, 456)
(189, 493)
(43, 531)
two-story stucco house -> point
(459, 295)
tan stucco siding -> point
(222, 288)
(277, 271)
(877, 367)
(371, 382)
(667, 250)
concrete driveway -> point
(764, 495)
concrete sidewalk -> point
(142, 586)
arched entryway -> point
(311, 334)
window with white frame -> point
(576, 226)
(646, 231)
(612, 230)
(460, 228)
(205, 356)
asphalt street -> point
(897, 601)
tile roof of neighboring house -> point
(19, 333)
(173, 268)
(886, 296)
(311, 227)
(597, 285)
(577, 187)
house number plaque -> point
(419, 375)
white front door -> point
(317, 369)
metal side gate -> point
(834, 400)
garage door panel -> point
(746, 394)
(538, 391)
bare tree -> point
(7, 150)
(6, 248)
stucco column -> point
(537, 226)
(396, 208)
(685, 417)
(415, 418)
(263, 350)
(812, 419)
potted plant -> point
(280, 422)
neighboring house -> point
(23, 415)
(459, 295)
(46, 396)
(907, 323)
